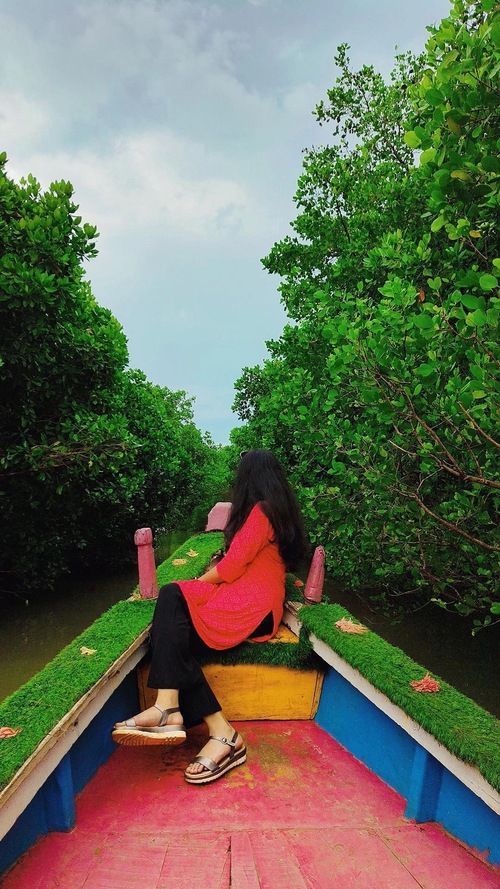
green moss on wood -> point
(295, 656)
(461, 725)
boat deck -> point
(301, 813)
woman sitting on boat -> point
(240, 598)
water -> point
(32, 634)
(33, 631)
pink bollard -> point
(316, 577)
(218, 516)
(148, 583)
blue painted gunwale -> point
(391, 745)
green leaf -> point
(438, 223)
(471, 302)
(412, 139)
(495, 608)
(453, 125)
(425, 370)
(434, 97)
(476, 319)
(427, 156)
(424, 321)
(491, 164)
(488, 282)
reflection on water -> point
(439, 640)
(33, 632)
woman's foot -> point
(152, 726)
(218, 756)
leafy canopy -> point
(89, 450)
(382, 396)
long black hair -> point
(260, 479)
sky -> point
(181, 125)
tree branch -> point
(449, 525)
(485, 435)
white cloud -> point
(22, 120)
(149, 180)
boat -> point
(354, 777)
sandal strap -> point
(165, 714)
(207, 763)
(226, 741)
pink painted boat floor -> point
(301, 813)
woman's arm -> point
(211, 576)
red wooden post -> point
(316, 577)
(218, 516)
(148, 583)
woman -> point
(240, 598)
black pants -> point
(174, 645)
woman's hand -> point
(211, 576)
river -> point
(34, 631)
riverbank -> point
(34, 630)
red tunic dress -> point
(253, 584)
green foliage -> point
(382, 398)
(89, 451)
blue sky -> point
(181, 125)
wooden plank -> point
(243, 868)
(197, 861)
(276, 865)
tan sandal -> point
(214, 770)
(130, 734)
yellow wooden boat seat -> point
(255, 691)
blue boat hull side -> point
(467, 817)
(431, 791)
(53, 806)
(365, 731)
